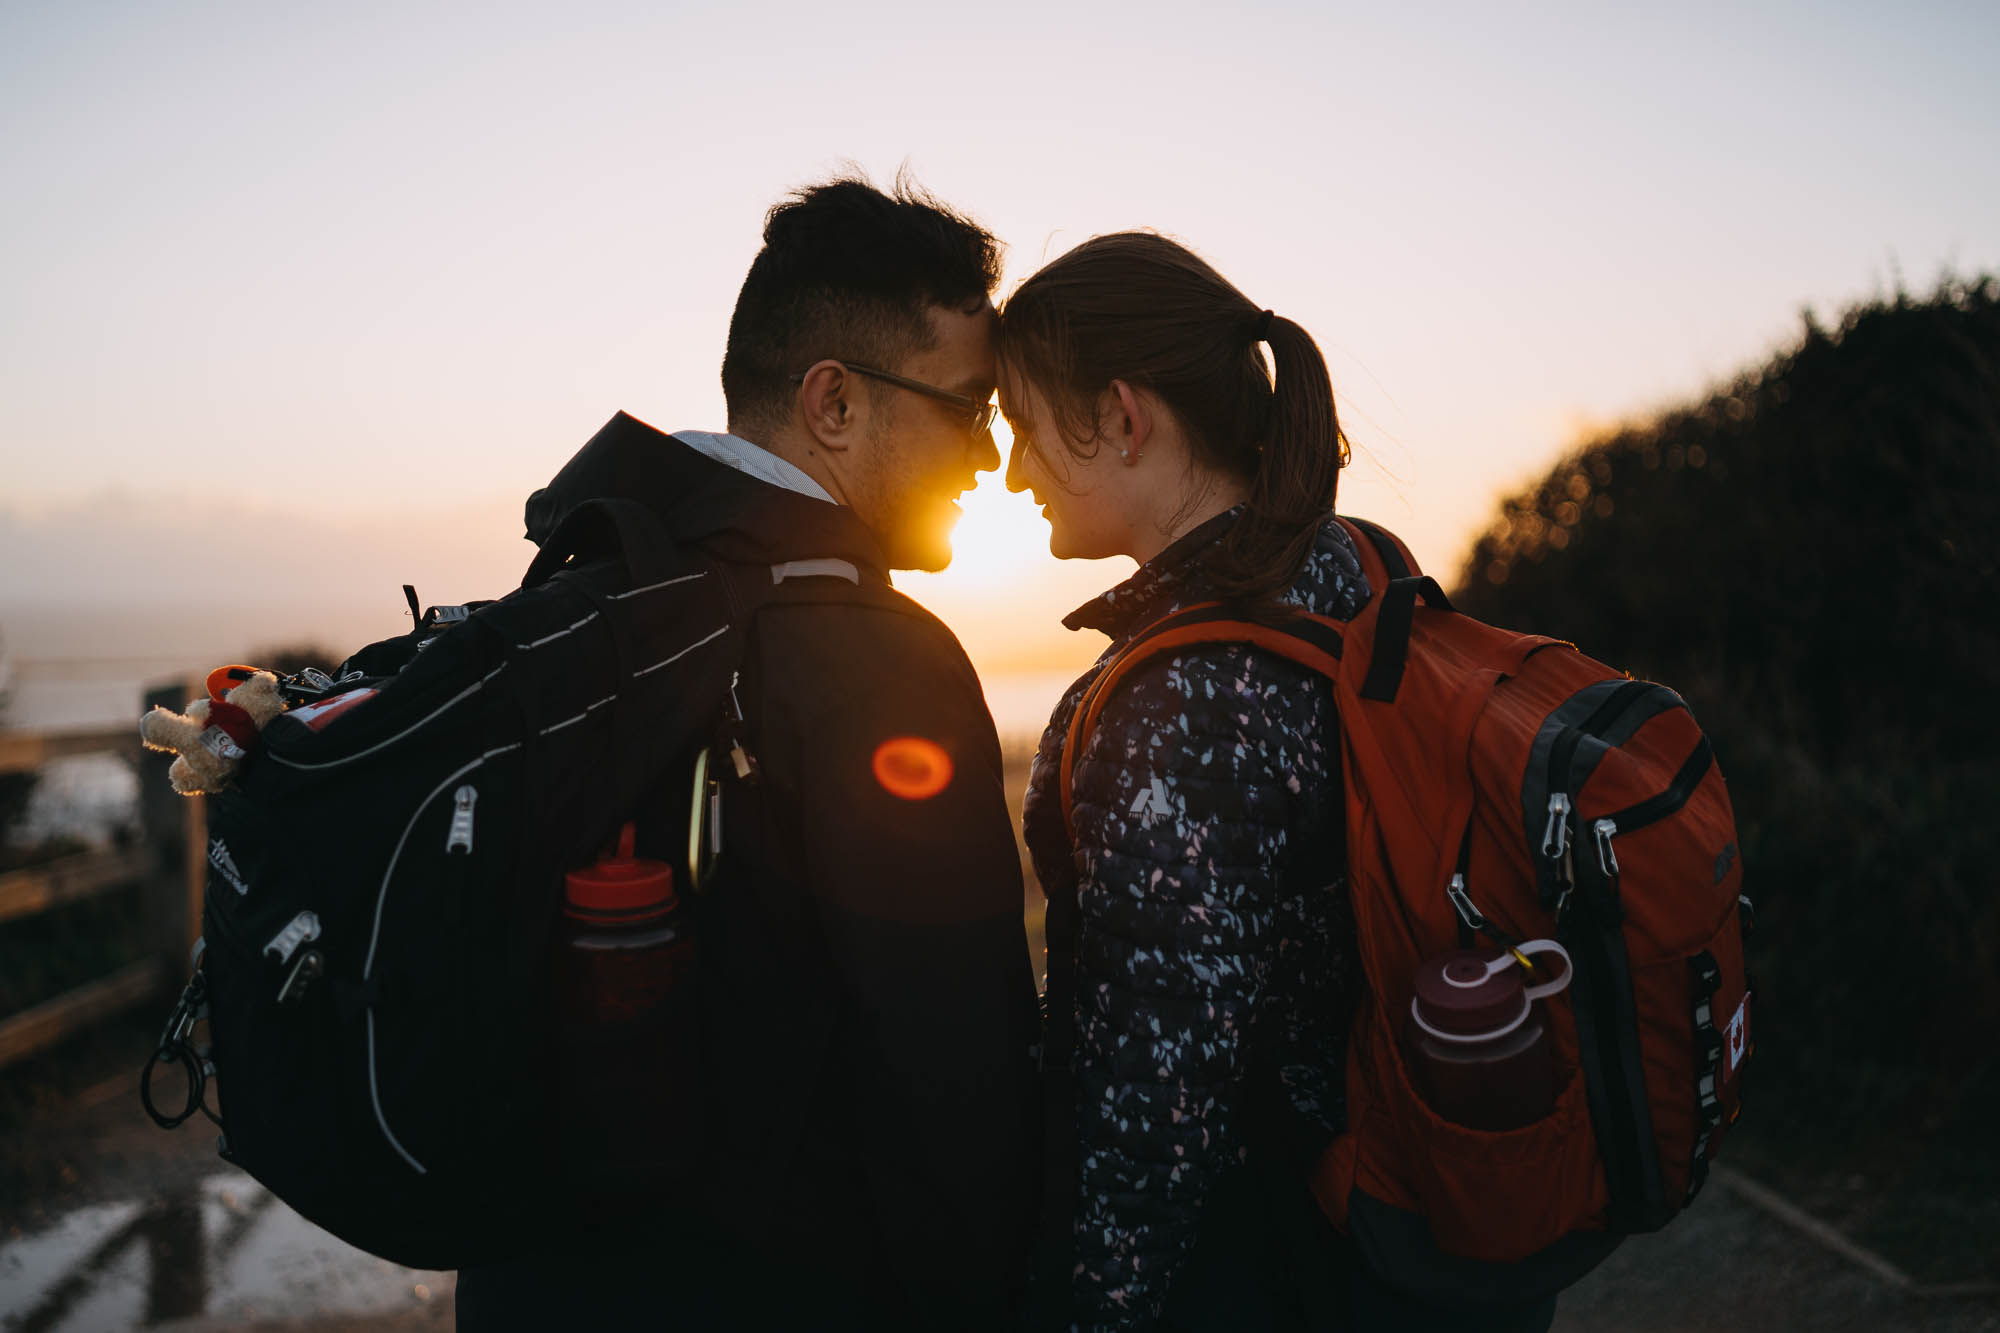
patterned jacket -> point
(1199, 937)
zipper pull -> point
(310, 965)
(1461, 902)
(1607, 860)
(1555, 839)
(299, 930)
(1555, 847)
(740, 759)
(461, 819)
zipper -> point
(1676, 795)
(1562, 753)
(1613, 707)
(463, 799)
(460, 837)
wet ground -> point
(109, 1223)
(218, 1253)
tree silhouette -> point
(1809, 557)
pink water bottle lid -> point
(1461, 995)
(1475, 995)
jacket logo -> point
(1723, 861)
(1152, 802)
(225, 865)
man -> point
(868, 1002)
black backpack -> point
(386, 874)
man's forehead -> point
(962, 354)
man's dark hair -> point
(848, 271)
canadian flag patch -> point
(1737, 1036)
(318, 715)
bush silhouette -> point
(1809, 557)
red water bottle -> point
(1476, 1042)
(623, 975)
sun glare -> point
(1004, 596)
(1001, 537)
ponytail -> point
(1294, 468)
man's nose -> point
(985, 451)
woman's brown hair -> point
(1138, 307)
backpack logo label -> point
(225, 865)
(1738, 1043)
(1724, 859)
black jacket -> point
(868, 1001)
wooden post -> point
(43, 1025)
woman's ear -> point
(1131, 421)
(826, 406)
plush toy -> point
(215, 734)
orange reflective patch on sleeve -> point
(912, 767)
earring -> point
(1125, 454)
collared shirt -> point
(753, 460)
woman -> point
(1201, 956)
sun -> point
(1001, 538)
(1005, 596)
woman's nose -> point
(1016, 482)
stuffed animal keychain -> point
(217, 733)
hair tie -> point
(1262, 333)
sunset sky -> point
(300, 301)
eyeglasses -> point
(978, 416)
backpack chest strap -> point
(1314, 642)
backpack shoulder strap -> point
(1384, 557)
(1396, 584)
(1314, 642)
(1382, 634)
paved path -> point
(109, 1223)
(1729, 1265)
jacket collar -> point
(1156, 588)
(1330, 583)
(703, 502)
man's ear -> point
(1129, 423)
(827, 407)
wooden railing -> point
(165, 863)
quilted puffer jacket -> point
(1201, 955)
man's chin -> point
(925, 546)
(924, 558)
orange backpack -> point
(1505, 785)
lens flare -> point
(912, 767)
